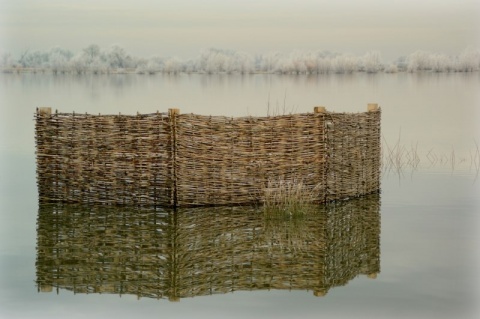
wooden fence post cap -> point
(174, 111)
(372, 107)
(320, 293)
(46, 288)
(372, 275)
(320, 109)
(44, 110)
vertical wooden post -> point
(323, 150)
(172, 114)
(372, 107)
(173, 253)
(173, 111)
(373, 140)
(44, 139)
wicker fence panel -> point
(353, 154)
(222, 160)
(105, 159)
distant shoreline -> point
(19, 70)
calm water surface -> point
(428, 214)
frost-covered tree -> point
(215, 61)
(151, 66)
(297, 62)
(324, 65)
(269, 62)
(345, 64)
(311, 60)
(218, 61)
(190, 66)
(469, 60)
(284, 65)
(391, 68)
(418, 61)
(372, 62)
(94, 59)
(7, 60)
(243, 63)
(33, 59)
(78, 64)
(117, 58)
(22, 61)
(58, 59)
(141, 66)
(91, 53)
(440, 63)
(172, 65)
(98, 66)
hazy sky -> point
(183, 27)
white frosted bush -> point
(441, 63)
(269, 62)
(391, 68)
(372, 62)
(345, 64)
(469, 60)
(77, 64)
(244, 63)
(418, 61)
(7, 60)
(117, 58)
(324, 65)
(172, 65)
(58, 59)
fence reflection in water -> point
(202, 251)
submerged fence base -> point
(173, 159)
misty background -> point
(182, 28)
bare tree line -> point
(115, 59)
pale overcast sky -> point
(182, 27)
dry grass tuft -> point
(287, 206)
(288, 198)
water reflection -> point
(193, 252)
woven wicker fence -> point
(192, 160)
(186, 252)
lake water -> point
(428, 208)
